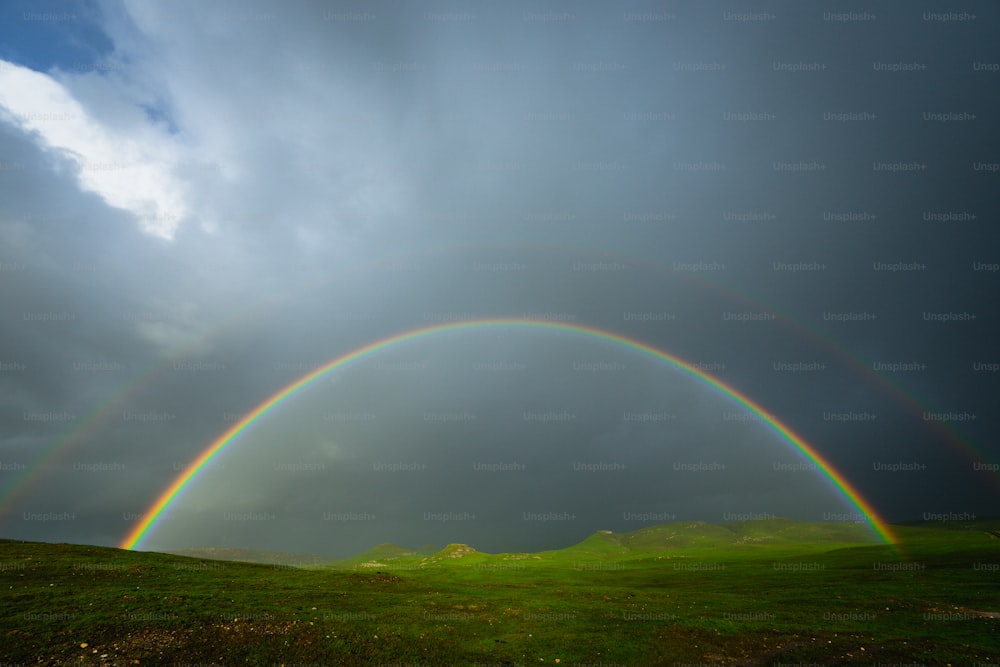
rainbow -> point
(191, 472)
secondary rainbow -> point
(191, 472)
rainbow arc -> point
(190, 473)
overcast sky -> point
(201, 201)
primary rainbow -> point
(191, 472)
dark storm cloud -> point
(779, 193)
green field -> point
(752, 593)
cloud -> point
(129, 172)
(395, 167)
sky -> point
(202, 202)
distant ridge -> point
(382, 556)
(987, 523)
(251, 556)
(651, 542)
(699, 534)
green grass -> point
(753, 593)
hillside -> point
(610, 599)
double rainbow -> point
(191, 472)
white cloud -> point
(307, 162)
(128, 171)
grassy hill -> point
(678, 593)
